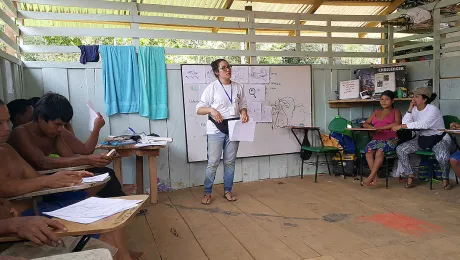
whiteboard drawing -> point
(240, 74)
(254, 111)
(266, 114)
(287, 113)
(259, 75)
(193, 74)
(254, 93)
(210, 76)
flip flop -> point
(206, 199)
(231, 197)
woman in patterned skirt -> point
(384, 140)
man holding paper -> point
(222, 101)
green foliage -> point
(198, 44)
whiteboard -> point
(288, 91)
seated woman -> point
(384, 140)
(455, 158)
(422, 115)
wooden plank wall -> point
(10, 80)
(81, 84)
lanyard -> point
(231, 92)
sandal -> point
(229, 197)
(447, 185)
(206, 200)
(412, 178)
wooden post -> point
(140, 175)
(251, 31)
(153, 179)
(390, 50)
(330, 61)
(436, 52)
(117, 168)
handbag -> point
(222, 126)
(427, 142)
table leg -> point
(117, 169)
(35, 206)
(139, 174)
(153, 179)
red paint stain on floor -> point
(403, 223)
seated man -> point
(21, 112)
(18, 178)
(36, 140)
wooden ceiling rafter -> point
(390, 9)
(227, 5)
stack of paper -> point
(100, 177)
(143, 143)
(93, 209)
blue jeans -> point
(218, 143)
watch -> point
(409, 111)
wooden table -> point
(305, 129)
(128, 150)
(82, 186)
(361, 129)
(105, 225)
(95, 254)
(76, 168)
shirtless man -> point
(36, 140)
(17, 177)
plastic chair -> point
(336, 125)
(448, 119)
(363, 139)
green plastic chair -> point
(361, 140)
(336, 125)
(448, 119)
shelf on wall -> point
(357, 102)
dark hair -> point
(1, 102)
(33, 101)
(18, 107)
(215, 66)
(390, 94)
(431, 99)
(53, 106)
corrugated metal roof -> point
(218, 4)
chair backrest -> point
(362, 139)
(340, 125)
(448, 119)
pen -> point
(130, 129)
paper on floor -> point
(241, 132)
(100, 177)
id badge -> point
(232, 110)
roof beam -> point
(390, 9)
(312, 10)
(227, 5)
(315, 2)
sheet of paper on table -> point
(100, 177)
(93, 209)
(241, 132)
(151, 143)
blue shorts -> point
(456, 156)
(56, 201)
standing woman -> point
(222, 100)
(422, 115)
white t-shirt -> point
(217, 96)
(429, 118)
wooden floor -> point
(293, 218)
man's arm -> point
(20, 139)
(77, 146)
(39, 230)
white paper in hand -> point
(100, 177)
(241, 132)
(92, 115)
